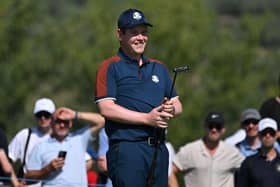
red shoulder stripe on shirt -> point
(101, 76)
(155, 60)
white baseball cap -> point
(267, 123)
(44, 104)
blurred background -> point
(53, 48)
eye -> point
(144, 33)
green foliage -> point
(53, 48)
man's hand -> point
(65, 113)
(168, 106)
(102, 164)
(158, 117)
(56, 164)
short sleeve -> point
(182, 159)
(105, 85)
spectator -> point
(208, 162)
(249, 122)
(22, 144)
(262, 169)
(270, 108)
(131, 92)
(44, 163)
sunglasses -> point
(43, 113)
(269, 131)
(59, 121)
(217, 126)
(250, 121)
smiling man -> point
(131, 92)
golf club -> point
(161, 131)
(177, 70)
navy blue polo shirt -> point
(256, 171)
(137, 88)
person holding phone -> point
(60, 160)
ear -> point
(119, 34)
(223, 130)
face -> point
(268, 137)
(134, 40)
(251, 127)
(44, 119)
(214, 132)
(61, 128)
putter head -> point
(181, 69)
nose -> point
(140, 36)
(61, 124)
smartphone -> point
(62, 154)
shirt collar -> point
(52, 139)
(204, 151)
(131, 60)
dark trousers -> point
(129, 164)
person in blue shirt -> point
(48, 165)
(131, 93)
(249, 122)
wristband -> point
(76, 115)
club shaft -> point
(173, 84)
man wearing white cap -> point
(263, 168)
(21, 145)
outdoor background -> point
(52, 48)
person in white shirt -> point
(22, 144)
(208, 161)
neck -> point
(252, 141)
(44, 130)
(58, 138)
(211, 146)
(269, 152)
(133, 55)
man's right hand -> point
(57, 164)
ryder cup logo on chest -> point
(137, 16)
(155, 79)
